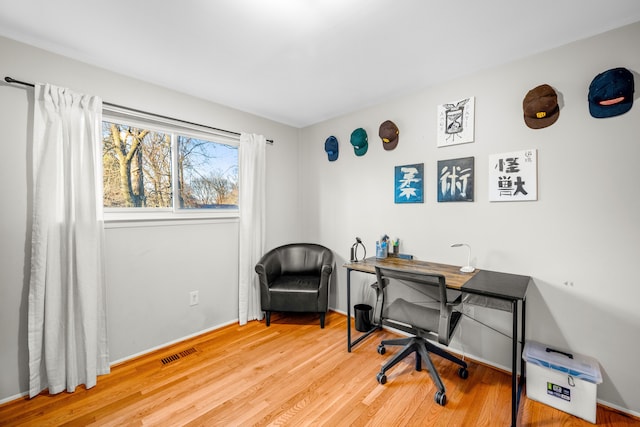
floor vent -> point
(177, 356)
(187, 352)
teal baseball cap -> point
(359, 141)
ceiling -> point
(300, 62)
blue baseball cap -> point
(360, 141)
(331, 147)
(611, 93)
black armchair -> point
(295, 278)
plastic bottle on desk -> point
(381, 250)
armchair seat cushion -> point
(295, 293)
(292, 284)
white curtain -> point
(252, 219)
(67, 313)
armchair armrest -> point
(327, 269)
(327, 266)
(325, 275)
(268, 268)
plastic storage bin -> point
(564, 380)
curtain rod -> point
(269, 141)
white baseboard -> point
(142, 353)
(167, 344)
(618, 408)
(14, 397)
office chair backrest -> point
(427, 283)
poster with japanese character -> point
(455, 122)
(455, 180)
(513, 176)
(409, 183)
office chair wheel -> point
(381, 349)
(440, 398)
(382, 378)
(463, 373)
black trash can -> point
(363, 317)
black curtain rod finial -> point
(12, 80)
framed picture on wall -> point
(513, 176)
(456, 180)
(455, 122)
(408, 183)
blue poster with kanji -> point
(456, 180)
(409, 183)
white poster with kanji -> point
(513, 176)
(455, 122)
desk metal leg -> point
(523, 374)
(514, 365)
(349, 310)
(374, 327)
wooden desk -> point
(491, 284)
(455, 278)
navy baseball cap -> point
(611, 93)
(331, 147)
(360, 141)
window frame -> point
(174, 128)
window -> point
(208, 174)
(161, 170)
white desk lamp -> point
(467, 268)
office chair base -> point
(422, 348)
(440, 398)
(463, 373)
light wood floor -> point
(290, 374)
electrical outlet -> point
(193, 298)
(468, 310)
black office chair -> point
(423, 322)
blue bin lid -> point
(578, 366)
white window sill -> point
(166, 218)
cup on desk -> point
(381, 250)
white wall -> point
(583, 229)
(150, 270)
